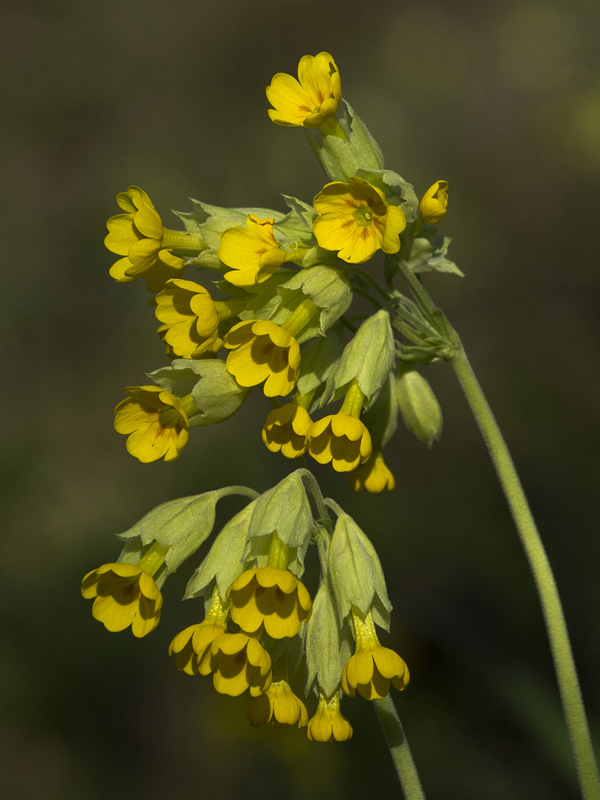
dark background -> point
(502, 99)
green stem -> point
(555, 622)
(399, 749)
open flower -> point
(239, 662)
(191, 317)
(138, 236)
(155, 421)
(271, 597)
(372, 667)
(434, 205)
(355, 219)
(373, 475)
(328, 724)
(192, 646)
(340, 438)
(124, 595)
(312, 99)
(253, 252)
(278, 706)
(286, 429)
(263, 351)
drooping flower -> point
(191, 646)
(434, 204)
(312, 99)
(191, 317)
(271, 597)
(328, 724)
(341, 439)
(374, 475)
(261, 351)
(239, 662)
(155, 421)
(278, 706)
(372, 667)
(124, 595)
(355, 219)
(286, 429)
(253, 252)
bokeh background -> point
(502, 99)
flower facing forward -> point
(278, 706)
(374, 475)
(191, 317)
(312, 99)
(261, 351)
(271, 597)
(155, 421)
(341, 439)
(239, 662)
(138, 236)
(124, 595)
(434, 205)
(191, 646)
(328, 724)
(252, 252)
(355, 219)
(372, 667)
(286, 429)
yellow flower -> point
(278, 706)
(239, 662)
(138, 236)
(341, 439)
(191, 317)
(157, 424)
(328, 724)
(355, 219)
(252, 252)
(286, 429)
(263, 351)
(192, 646)
(373, 475)
(125, 595)
(372, 667)
(434, 205)
(312, 100)
(269, 596)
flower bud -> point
(419, 406)
(434, 204)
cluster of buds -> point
(260, 623)
(280, 310)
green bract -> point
(429, 252)
(418, 405)
(328, 643)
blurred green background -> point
(502, 99)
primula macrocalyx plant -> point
(253, 297)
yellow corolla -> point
(286, 429)
(278, 706)
(312, 99)
(191, 317)
(372, 667)
(434, 205)
(239, 662)
(328, 724)
(253, 252)
(155, 421)
(271, 597)
(124, 595)
(191, 646)
(341, 439)
(374, 475)
(261, 351)
(355, 219)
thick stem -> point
(544, 580)
(399, 749)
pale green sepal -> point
(181, 525)
(397, 191)
(296, 226)
(328, 288)
(207, 259)
(355, 570)
(368, 357)
(317, 255)
(342, 158)
(284, 508)
(382, 418)
(328, 643)
(320, 359)
(212, 221)
(224, 561)
(265, 298)
(419, 406)
(429, 252)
